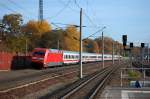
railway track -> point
(87, 88)
(14, 82)
(14, 85)
(19, 81)
(44, 78)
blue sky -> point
(131, 17)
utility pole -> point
(26, 47)
(148, 52)
(103, 49)
(81, 75)
(118, 47)
(113, 52)
(58, 44)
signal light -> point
(124, 38)
(131, 45)
(142, 45)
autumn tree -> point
(71, 39)
(90, 46)
(34, 30)
(136, 51)
(107, 44)
(37, 28)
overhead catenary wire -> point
(65, 24)
(90, 9)
(57, 25)
(92, 35)
(11, 10)
(5, 6)
(61, 10)
(62, 2)
(75, 1)
(20, 7)
(95, 32)
(86, 15)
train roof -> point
(84, 53)
(72, 52)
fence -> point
(10, 61)
(130, 75)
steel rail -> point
(102, 84)
(106, 70)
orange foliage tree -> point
(71, 39)
(37, 28)
(90, 46)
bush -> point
(133, 74)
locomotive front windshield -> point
(39, 53)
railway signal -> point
(124, 39)
(142, 45)
(131, 45)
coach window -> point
(72, 56)
(64, 56)
(77, 56)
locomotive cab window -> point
(39, 53)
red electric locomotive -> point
(47, 57)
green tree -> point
(11, 34)
(12, 24)
(52, 39)
(16, 44)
